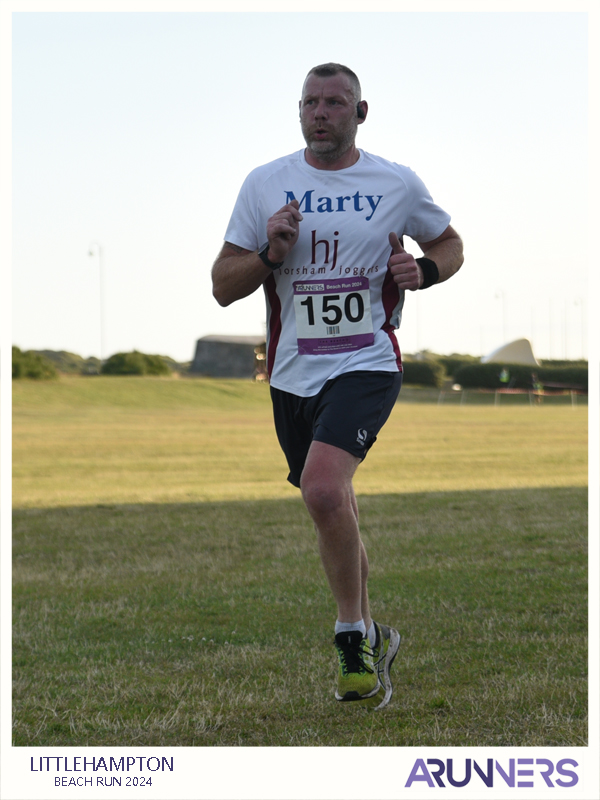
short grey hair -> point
(330, 69)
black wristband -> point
(262, 254)
(430, 271)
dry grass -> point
(167, 588)
(118, 440)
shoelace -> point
(352, 657)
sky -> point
(133, 132)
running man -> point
(321, 231)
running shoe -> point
(384, 653)
(357, 676)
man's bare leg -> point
(364, 572)
(329, 497)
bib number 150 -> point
(333, 310)
(333, 316)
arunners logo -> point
(331, 205)
(362, 436)
(310, 287)
(511, 773)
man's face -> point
(328, 116)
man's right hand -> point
(237, 272)
(283, 229)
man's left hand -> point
(405, 270)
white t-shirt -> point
(333, 306)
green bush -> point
(573, 376)
(454, 362)
(156, 365)
(423, 373)
(135, 364)
(547, 362)
(29, 364)
(71, 363)
(487, 376)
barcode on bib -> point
(331, 329)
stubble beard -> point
(332, 149)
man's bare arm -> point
(236, 273)
(446, 251)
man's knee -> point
(323, 497)
(326, 481)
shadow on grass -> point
(209, 624)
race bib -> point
(333, 316)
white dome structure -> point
(517, 352)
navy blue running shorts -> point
(348, 413)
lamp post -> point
(417, 324)
(579, 302)
(500, 294)
(95, 249)
(550, 327)
(565, 334)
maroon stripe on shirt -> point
(390, 298)
(274, 321)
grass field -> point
(167, 589)
(85, 441)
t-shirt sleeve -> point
(242, 228)
(425, 220)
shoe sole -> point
(352, 697)
(391, 654)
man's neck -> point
(348, 159)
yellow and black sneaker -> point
(357, 677)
